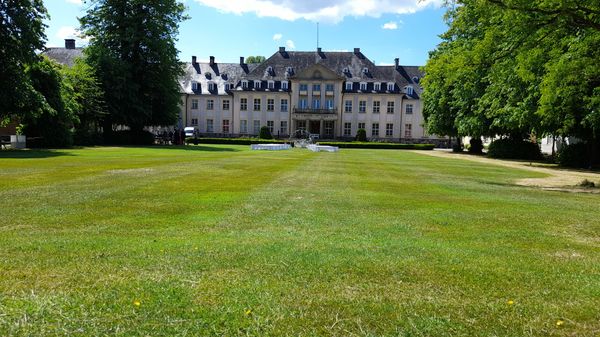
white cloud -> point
(75, 2)
(289, 44)
(390, 25)
(277, 37)
(319, 10)
(69, 32)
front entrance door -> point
(314, 127)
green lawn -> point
(220, 240)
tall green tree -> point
(21, 34)
(132, 48)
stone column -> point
(321, 128)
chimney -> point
(241, 60)
(357, 51)
(397, 62)
(70, 43)
(194, 60)
(282, 49)
(319, 50)
(212, 60)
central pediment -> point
(317, 72)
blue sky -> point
(228, 29)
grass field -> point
(219, 240)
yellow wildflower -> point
(248, 312)
(560, 323)
(137, 303)
(510, 302)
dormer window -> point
(289, 70)
(227, 86)
(390, 86)
(365, 70)
(212, 86)
(244, 84)
(257, 84)
(270, 70)
(377, 87)
(271, 84)
(409, 90)
(348, 86)
(194, 86)
(363, 86)
(415, 79)
(208, 75)
(284, 85)
(345, 70)
(224, 76)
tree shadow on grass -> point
(33, 154)
(202, 148)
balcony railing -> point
(314, 111)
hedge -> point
(372, 145)
(514, 149)
(232, 141)
(574, 155)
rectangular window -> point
(316, 87)
(376, 107)
(257, 104)
(301, 125)
(303, 87)
(347, 129)
(407, 130)
(284, 105)
(226, 126)
(194, 86)
(270, 125)
(316, 103)
(348, 106)
(257, 84)
(243, 126)
(212, 87)
(363, 86)
(194, 104)
(210, 104)
(390, 107)
(194, 121)
(271, 85)
(284, 85)
(329, 104)
(244, 84)
(209, 126)
(328, 125)
(283, 128)
(256, 127)
(328, 87)
(377, 87)
(409, 109)
(303, 103)
(348, 86)
(270, 104)
(390, 87)
(362, 106)
(243, 104)
(362, 126)
(225, 104)
(375, 130)
(389, 129)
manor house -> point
(329, 94)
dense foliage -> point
(516, 68)
(255, 59)
(132, 48)
(510, 148)
(361, 135)
(21, 34)
(265, 133)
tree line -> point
(517, 69)
(128, 75)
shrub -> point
(476, 146)
(129, 137)
(392, 146)
(514, 149)
(361, 135)
(265, 133)
(587, 183)
(87, 138)
(573, 155)
(458, 147)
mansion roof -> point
(286, 65)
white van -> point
(189, 131)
